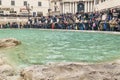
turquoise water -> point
(43, 46)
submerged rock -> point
(10, 42)
(72, 71)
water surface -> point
(43, 46)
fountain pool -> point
(44, 46)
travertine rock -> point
(1, 61)
(10, 42)
(7, 70)
(72, 71)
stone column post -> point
(94, 2)
(88, 6)
(63, 8)
(91, 6)
(75, 7)
(70, 8)
(85, 6)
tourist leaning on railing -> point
(85, 21)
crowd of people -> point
(104, 21)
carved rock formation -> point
(10, 42)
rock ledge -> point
(72, 71)
(10, 42)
